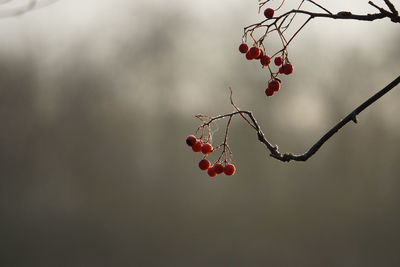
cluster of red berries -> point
(257, 52)
(273, 86)
(198, 146)
(204, 164)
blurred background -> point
(97, 98)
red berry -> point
(204, 164)
(229, 169)
(255, 52)
(243, 48)
(278, 61)
(196, 147)
(218, 168)
(211, 172)
(287, 69)
(281, 70)
(261, 53)
(207, 148)
(269, 92)
(265, 60)
(274, 85)
(269, 13)
(190, 140)
(249, 56)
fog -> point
(97, 98)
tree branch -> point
(391, 7)
(393, 16)
(286, 157)
(318, 5)
(346, 15)
(352, 116)
(28, 6)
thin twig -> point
(382, 10)
(237, 109)
(29, 6)
(394, 15)
(301, 27)
(318, 5)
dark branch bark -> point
(27, 7)
(348, 15)
(286, 157)
(393, 15)
(391, 7)
(352, 116)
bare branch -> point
(344, 15)
(391, 7)
(238, 110)
(27, 7)
(393, 16)
(382, 10)
(286, 157)
(352, 116)
(318, 5)
(277, 24)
